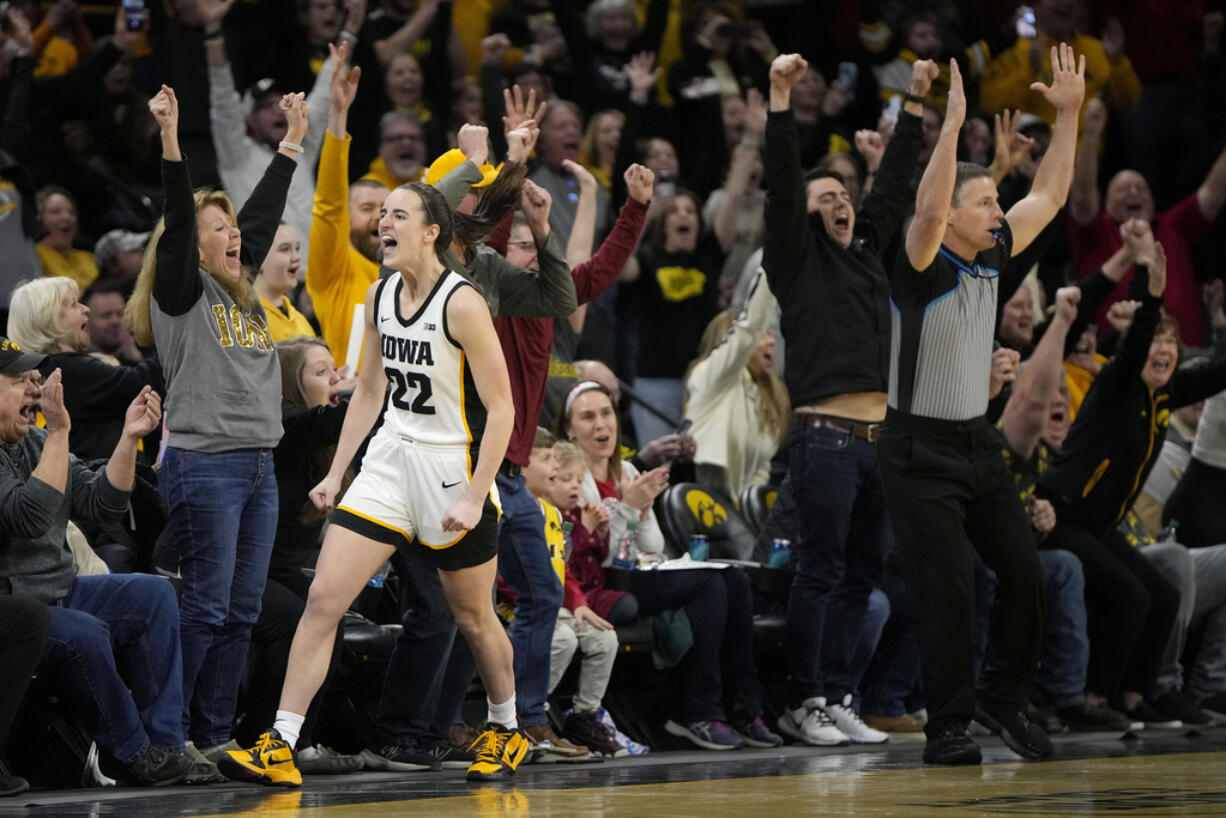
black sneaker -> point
(1175, 705)
(1045, 719)
(1099, 718)
(451, 758)
(1022, 736)
(951, 745)
(1151, 717)
(1214, 704)
(155, 767)
(399, 758)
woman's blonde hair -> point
(774, 406)
(140, 319)
(566, 453)
(34, 313)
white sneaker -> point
(849, 723)
(810, 724)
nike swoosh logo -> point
(447, 485)
(272, 761)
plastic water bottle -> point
(623, 557)
(1170, 532)
(567, 539)
(700, 548)
(780, 555)
(380, 576)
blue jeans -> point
(114, 643)
(1066, 643)
(523, 560)
(893, 677)
(875, 616)
(844, 535)
(222, 515)
(1065, 656)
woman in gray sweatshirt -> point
(194, 301)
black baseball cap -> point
(14, 360)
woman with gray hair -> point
(47, 317)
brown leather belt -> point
(865, 431)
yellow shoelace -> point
(491, 742)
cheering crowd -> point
(319, 313)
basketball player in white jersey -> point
(426, 480)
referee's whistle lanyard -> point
(977, 271)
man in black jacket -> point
(823, 263)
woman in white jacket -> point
(717, 603)
(737, 403)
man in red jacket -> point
(523, 556)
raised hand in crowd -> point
(520, 110)
(494, 48)
(1138, 239)
(61, 12)
(1067, 299)
(522, 140)
(536, 202)
(1120, 315)
(1068, 79)
(642, 74)
(18, 29)
(344, 85)
(583, 177)
(1011, 146)
(51, 404)
(1004, 369)
(474, 142)
(923, 74)
(355, 15)
(595, 518)
(871, 146)
(143, 415)
(1157, 270)
(786, 69)
(295, 109)
(165, 109)
(755, 118)
(640, 492)
(640, 183)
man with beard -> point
(402, 151)
(345, 224)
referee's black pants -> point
(948, 491)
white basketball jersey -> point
(431, 395)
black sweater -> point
(307, 432)
(97, 395)
(835, 300)
(1119, 430)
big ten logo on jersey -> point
(236, 327)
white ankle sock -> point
(504, 713)
(289, 725)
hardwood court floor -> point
(1165, 773)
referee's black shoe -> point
(950, 744)
(1023, 736)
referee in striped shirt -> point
(947, 487)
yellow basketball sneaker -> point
(499, 751)
(269, 762)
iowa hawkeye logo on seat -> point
(407, 351)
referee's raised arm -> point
(936, 189)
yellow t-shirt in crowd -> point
(77, 264)
(284, 321)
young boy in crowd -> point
(579, 627)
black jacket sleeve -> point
(261, 215)
(785, 202)
(177, 285)
(884, 208)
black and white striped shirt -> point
(943, 325)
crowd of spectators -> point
(684, 227)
